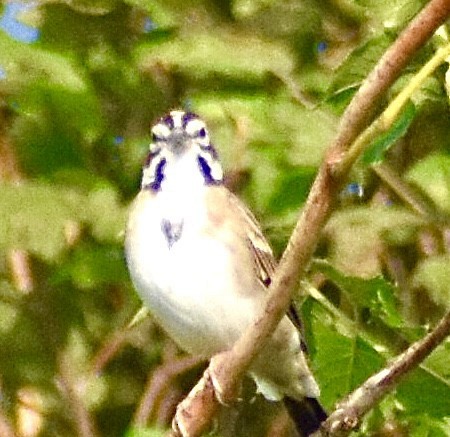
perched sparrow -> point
(199, 261)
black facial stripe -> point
(187, 117)
(159, 175)
(205, 168)
(168, 121)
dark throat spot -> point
(172, 231)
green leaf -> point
(146, 432)
(36, 217)
(355, 68)
(92, 267)
(432, 175)
(437, 362)
(424, 392)
(340, 363)
(375, 153)
(358, 234)
(433, 274)
(376, 294)
(201, 55)
(422, 425)
(105, 214)
(391, 14)
(25, 64)
(99, 7)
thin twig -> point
(158, 383)
(108, 350)
(227, 369)
(348, 414)
(404, 191)
(83, 421)
(20, 266)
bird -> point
(201, 264)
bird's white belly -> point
(191, 287)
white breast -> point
(191, 285)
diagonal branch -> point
(195, 413)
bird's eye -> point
(202, 133)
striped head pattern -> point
(175, 136)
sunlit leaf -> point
(203, 55)
(432, 175)
(433, 274)
(145, 432)
(357, 236)
(24, 64)
(37, 217)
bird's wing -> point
(264, 261)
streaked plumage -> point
(201, 263)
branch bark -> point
(226, 370)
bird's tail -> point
(307, 414)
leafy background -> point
(80, 84)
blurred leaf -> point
(36, 217)
(202, 55)
(429, 93)
(25, 64)
(92, 267)
(247, 8)
(8, 317)
(357, 236)
(99, 7)
(146, 432)
(433, 274)
(106, 216)
(432, 175)
(66, 112)
(291, 189)
(299, 23)
(375, 153)
(168, 14)
(391, 14)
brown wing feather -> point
(264, 260)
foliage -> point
(271, 78)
